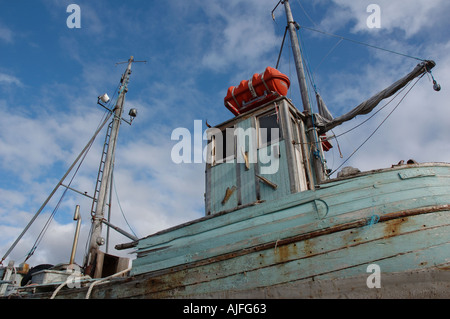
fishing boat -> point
(276, 224)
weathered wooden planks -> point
(399, 245)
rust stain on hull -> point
(393, 227)
(285, 253)
(308, 247)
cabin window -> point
(269, 130)
(223, 146)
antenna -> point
(117, 63)
(125, 77)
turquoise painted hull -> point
(312, 244)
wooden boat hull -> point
(314, 244)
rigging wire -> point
(326, 55)
(281, 48)
(306, 63)
(366, 120)
(361, 43)
(120, 206)
(306, 13)
(52, 215)
(376, 129)
(305, 58)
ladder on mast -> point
(101, 167)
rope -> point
(105, 279)
(373, 220)
(69, 280)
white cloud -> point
(6, 34)
(29, 146)
(243, 35)
(411, 17)
(54, 248)
(6, 79)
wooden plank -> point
(280, 178)
(223, 176)
(231, 237)
(289, 149)
(246, 134)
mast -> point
(313, 137)
(96, 239)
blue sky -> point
(51, 75)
